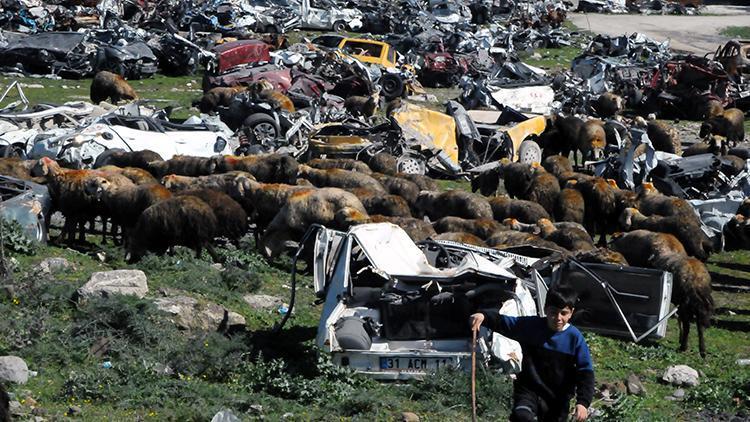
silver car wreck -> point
(397, 310)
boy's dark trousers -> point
(528, 406)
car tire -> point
(393, 86)
(529, 152)
(339, 26)
(261, 128)
(104, 158)
(410, 163)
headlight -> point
(220, 144)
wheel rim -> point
(410, 165)
(264, 132)
(389, 86)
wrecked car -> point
(28, 204)
(235, 53)
(327, 15)
(62, 53)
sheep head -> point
(546, 227)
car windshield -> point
(363, 48)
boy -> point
(556, 360)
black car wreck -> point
(66, 54)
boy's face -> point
(557, 318)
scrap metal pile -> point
(648, 7)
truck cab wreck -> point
(397, 310)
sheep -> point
(730, 124)
(20, 169)
(557, 165)
(691, 293)
(561, 135)
(691, 236)
(544, 190)
(110, 85)
(456, 203)
(650, 203)
(591, 141)
(514, 224)
(379, 203)
(711, 146)
(461, 237)
(608, 105)
(663, 136)
(732, 165)
(422, 181)
(183, 165)
(228, 183)
(517, 178)
(385, 163)
(266, 168)
(323, 206)
(337, 178)
(266, 199)
(231, 218)
(570, 206)
(570, 238)
(600, 205)
(525, 211)
(487, 181)
(123, 159)
(363, 106)
(216, 97)
(416, 228)
(736, 233)
(711, 108)
(340, 163)
(641, 247)
(179, 220)
(601, 256)
(399, 186)
(264, 90)
(482, 228)
(137, 175)
(744, 208)
(510, 238)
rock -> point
(536, 56)
(124, 282)
(409, 417)
(54, 265)
(38, 411)
(74, 410)
(678, 393)
(680, 375)
(225, 416)
(8, 291)
(15, 408)
(612, 388)
(256, 408)
(190, 314)
(287, 415)
(263, 301)
(13, 369)
(634, 385)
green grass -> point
(736, 31)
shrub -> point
(14, 239)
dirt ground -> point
(692, 34)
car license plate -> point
(401, 363)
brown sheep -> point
(304, 208)
(358, 105)
(600, 205)
(264, 200)
(380, 203)
(730, 124)
(663, 136)
(20, 169)
(422, 181)
(455, 203)
(139, 159)
(557, 165)
(401, 187)
(265, 91)
(544, 190)
(524, 211)
(736, 233)
(510, 238)
(416, 228)
(385, 163)
(517, 178)
(513, 224)
(228, 183)
(266, 168)
(691, 293)
(641, 247)
(710, 146)
(711, 108)
(179, 220)
(691, 236)
(137, 175)
(601, 256)
(561, 135)
(487, 181)
(337, 178)
(482, 228)
(461, 237)
(340, 163)
(183, 165)
(231, 218)
(650, 203)
(608, 105)
(110, 85)
(570, 238)
(570, 206)
(591, 141)
(216, 97)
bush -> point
(14, 239)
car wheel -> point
(261, 128)
(529, 152)
(411, 164)
(393, 86)
(104, 158)
(339, 26)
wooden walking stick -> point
(473, 375)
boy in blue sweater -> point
(556, 360)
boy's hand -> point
(476, 321)
(581, 413)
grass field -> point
(161, 373)
(736, 32)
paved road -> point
(693, 34)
